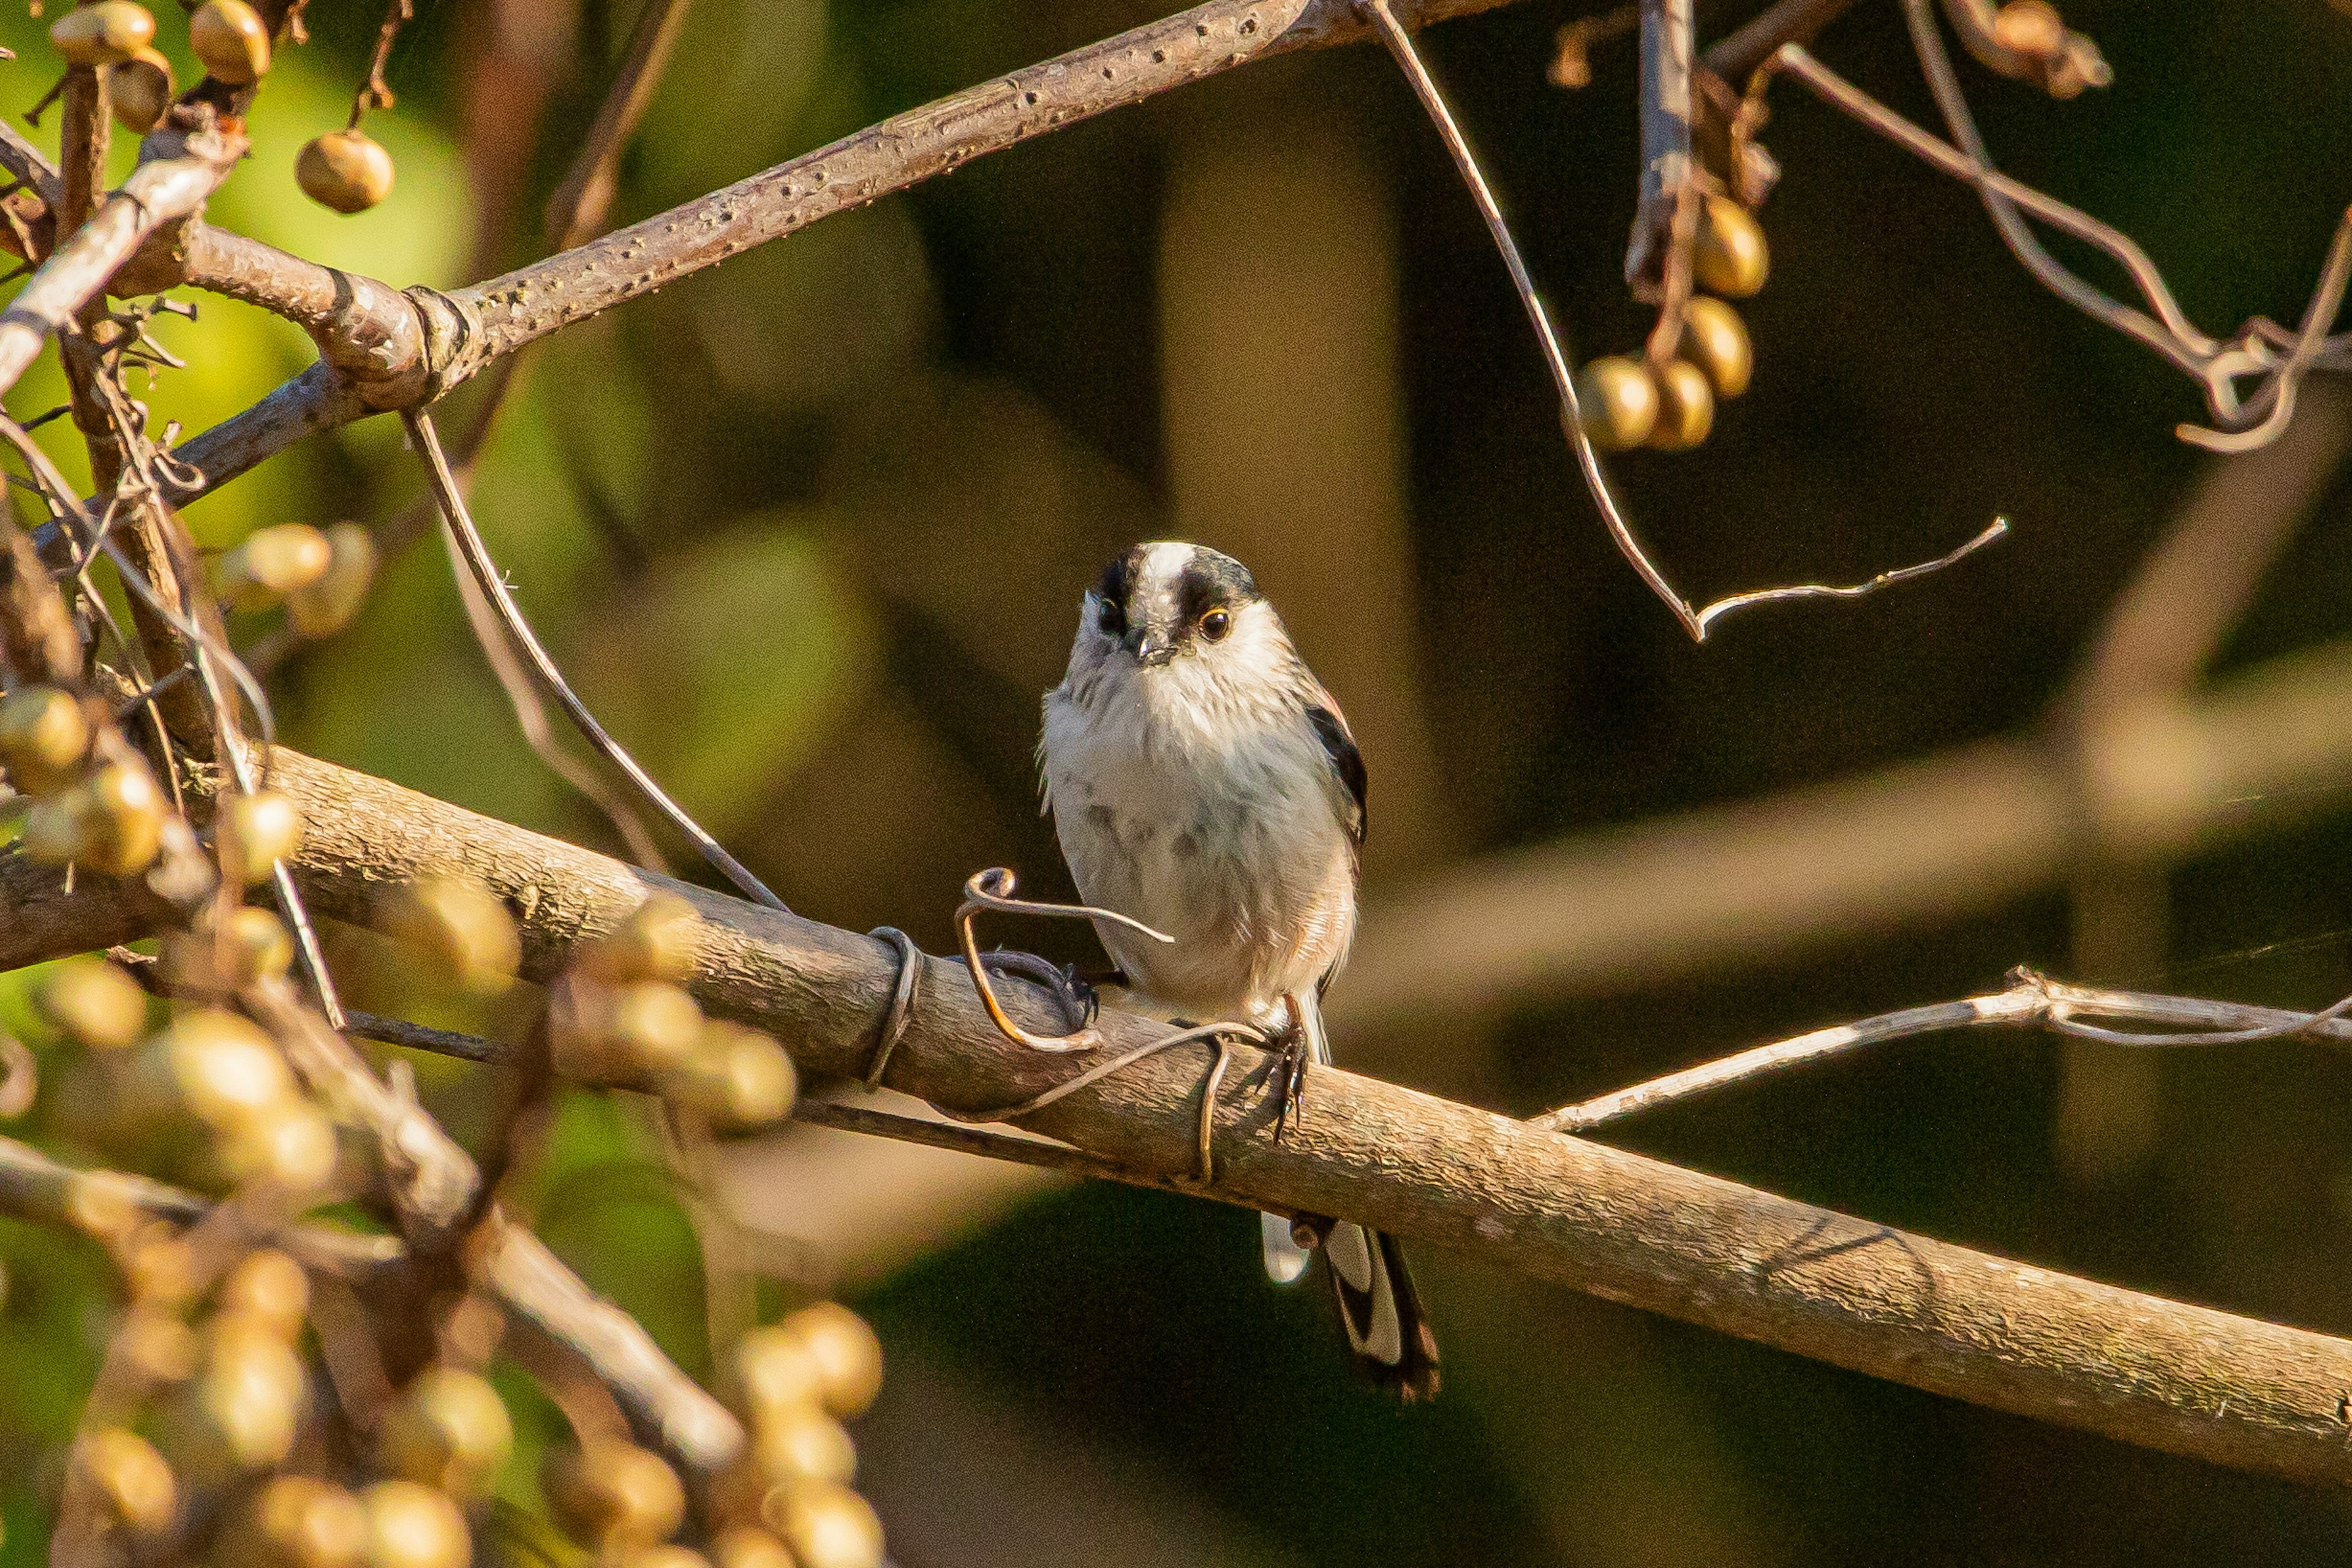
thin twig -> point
(1695, 621)
(486, 574)
(2030, 999)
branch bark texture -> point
(2032, 1341)
(472, 328)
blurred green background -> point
(810, 529)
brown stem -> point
(2184, 1379)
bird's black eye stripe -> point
(1112, 589)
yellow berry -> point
(459, 929)
(132, 1478)
(614, 1493)
(327, 606)
(345, 169)
(270, 1289)
(412, 1526)
(848, 1356)
(831, 1527)
(230, 37)
(1731, 258)
(1686, 408)
(273, 561)
(95, 1002)
(738, 1078)
(291, 1146)
(1714, 340)
(112, 822)
(218, 1068)
(448, 1429)
(1617, 402)
(44, 735)
(140, 89)
(657, 941)
(804, 1444)
(103, 33)
(2030, 27)
(747, 1546)
(297, 1522)
(256, 831)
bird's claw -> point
(1287, 1077)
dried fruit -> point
(158, 1345)
(460, 930)
(217, 1067)
(232, 40)
(256, 831)
(104, 33)
(831, 1527)
(1617, 402)
(260, 947)
(1714, 340)
(269, 1289)
(326, 606)
(448, 1429)
(614, 1493)
(848, 1356)
(140, 89)
(739, 1079)
(112, 822)
(412, 1526)
(1731, 258)
(2030, 27)
(291, 1146)
(778, 1371)
(656, 942)
(243, 1409)
(804, 1444)
(273, 561)
(671, 1556)
(1686, 408)
(95, 1002)
(44, 735)
(747, 1546)
(297, 1522)
(132, 1478)
(625, 1034)
(345, 169)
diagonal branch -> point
(2030, 1340)
(472, 328)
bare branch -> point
(474, 327)
(2186, 1379)
(160, 191)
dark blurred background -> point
(811, 530)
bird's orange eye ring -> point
(1215, 625)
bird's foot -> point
(1287, 1074)
(1073, 992)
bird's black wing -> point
(1346, 761)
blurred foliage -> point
(808, 528)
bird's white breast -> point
(1220, 829)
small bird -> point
(1202, 781)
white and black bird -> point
(1203, 782)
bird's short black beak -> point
(1151, 646)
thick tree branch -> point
(2185, 1379)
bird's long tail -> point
(1377, 1304)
